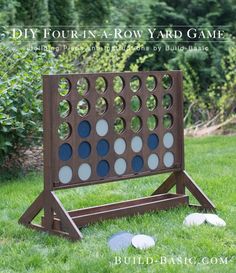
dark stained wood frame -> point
(56, 219)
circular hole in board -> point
(63, 86)
(119, 104)
(167, 121)
(101, 106)
(100, 85)
(136, 124)
(64, 109)
(135, 83)
(151, 103)
(119, 125)
(82, 86)
(118, 84)
(166, 81)
(83, 107)
(167, 101)
(64, 130)
(151, 83)
(152, 122)
(135, 103)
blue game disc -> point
(65, 152)
(137, 163)
(103, 168)
(120, 240)
(153, 141)
(84, 149)
(102, 147)
(84, 128)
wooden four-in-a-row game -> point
(105, 127)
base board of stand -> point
(85, 216)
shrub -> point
(21, 85)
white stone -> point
(84, 171)
(136, 144)
(119, 146)
(214, 220)
(194, 219)
(120, 166)
(168, 140)
(102, 127)
(65, 174)
(153, 161)
(142, 241)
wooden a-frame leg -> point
(167, 185)
(65, 218)
(70, 231)
(182, 180)
(196, 191)
(32, 211)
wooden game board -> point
(106, 127)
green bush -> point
(20, 92)
(21, 86)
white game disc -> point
(168, 159)
(194, 219)
(84, 171)
(119, 146)
(120, 166)
(168, 140)
(153, 161)
(65, 174)
(102, 127)
(136, 144)
(215, 220)
(142, 241)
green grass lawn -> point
(210, 161)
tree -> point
(32, 13)
(8, 10)
(62, 13)
(93, 12)
(200, 67)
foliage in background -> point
(62, 13)
(92, 13)
(209, 77)
(201, 68)
(21, 85)
(20, 92)
(31, 13)
(227, 91)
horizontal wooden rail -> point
(85, 216)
